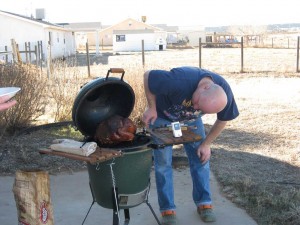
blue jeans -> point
(164, 173)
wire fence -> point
(241, 46)
(223, 57)
(28, 52)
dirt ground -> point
(259, 152)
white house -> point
(129, 34)
(26, 29)
(131, 40)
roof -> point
(83, 26)
(31, 20)
(130, 21)
(165, 27)
(139, 31)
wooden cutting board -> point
(164, 136)
(100, 155)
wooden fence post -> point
(42, 52)
(48, 60)
(297, 69)
(88, 58)
(6, 55)
(39, 43)
(14, 50)
(143, 53)
(36, 56)
(26, 52)
(242, 55)
(29, 48)
(200, 52)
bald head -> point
(209, 97)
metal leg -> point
(90, 206)
(157, 220)
(149, 205)
(88, 212)
(116, 216)
(127, 216)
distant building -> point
(85, 32)
(131, 40)
(191, 35)
(172, 32)
(134, 31)
(56, 40)
(106, 35)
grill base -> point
(128, 201)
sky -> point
(173, 13)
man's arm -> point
(204, 151)
(151, 99)
(150, 114)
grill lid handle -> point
(116, 70)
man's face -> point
(195, 102)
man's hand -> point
(204, 153)
(149, 117)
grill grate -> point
(140, 140)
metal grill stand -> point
(115, 200)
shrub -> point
(31, 99)
(64, 84)
(134, 77)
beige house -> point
(106, 35)
(84, 32)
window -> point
(120, 38)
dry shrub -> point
(31, 99)
(134, 77)
(64, 84)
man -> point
(184, 94)
(5, 103)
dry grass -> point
(257, 157)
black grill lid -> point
(100, 99)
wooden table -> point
(100, 155)
(164, 136)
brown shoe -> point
(206, 213)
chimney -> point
(40, 14)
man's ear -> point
(207, 86)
